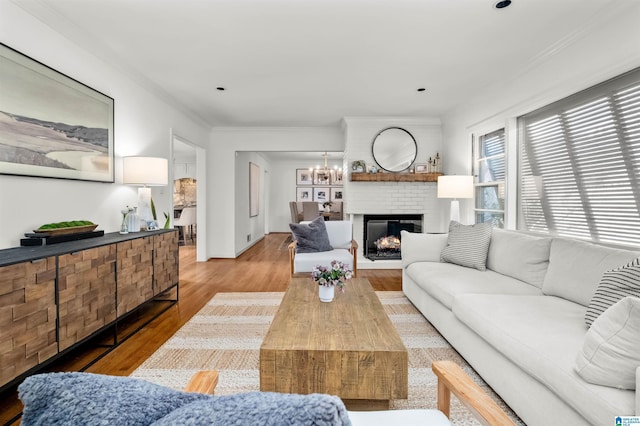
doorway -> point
(188, 192)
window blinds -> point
(580, 163)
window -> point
(580, 164)
(489, 177)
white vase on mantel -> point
(326, 292)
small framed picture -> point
(336, 194)
(304, 177)
(322, 177)
(321, 194)
(304, 194)
(336, 177)
(422, 168)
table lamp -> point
(145, 172)
(455, 187)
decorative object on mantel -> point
(145, 172)
(455, 187)
(394, 149)
(327, 206)
(434, 165)
(422, 168)
(329, 278)
(394, 177)
(358, 166)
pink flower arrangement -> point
(336, 275)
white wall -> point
(142, 127)
(222, 212)
(583, 60)
(248, 229)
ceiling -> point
(312, 62)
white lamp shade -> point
(455, 186)
(148, 171)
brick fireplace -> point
(389, 198)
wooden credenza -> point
(53, 298)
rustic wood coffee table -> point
(347, 347)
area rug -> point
(227, 333)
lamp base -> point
(455, 210)
(144, 204)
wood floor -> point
(263, 267)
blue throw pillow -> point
(95, 399)
(311, 237)
(89, 399)
(264, 409)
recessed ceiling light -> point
(422, 89)
(502, 4)
(220, 88)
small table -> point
(347, 347)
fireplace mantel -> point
(394, 177)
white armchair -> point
(344, 249)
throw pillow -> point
(467, 245)
(609, 355)
(614, 285)
(311, 237)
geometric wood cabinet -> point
(87, 292)
(55, 296)
(165, 262)
(135, 273)
(27, 316)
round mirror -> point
(394, 149)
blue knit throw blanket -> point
(93, 399)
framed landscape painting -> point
(52, 125)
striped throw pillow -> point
(467, 245)
(614, 286)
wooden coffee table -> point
(347, 347)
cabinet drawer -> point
(87, 293)
(27, 316)
(134, 274)
(165, 261)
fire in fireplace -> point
(382, 234)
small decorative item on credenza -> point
(124, 229)
(328, 278)
(60, 232)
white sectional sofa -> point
(521, 322)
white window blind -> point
(580, 163)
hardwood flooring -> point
(263, 267)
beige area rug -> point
(227, 333)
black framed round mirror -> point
(394, 149)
